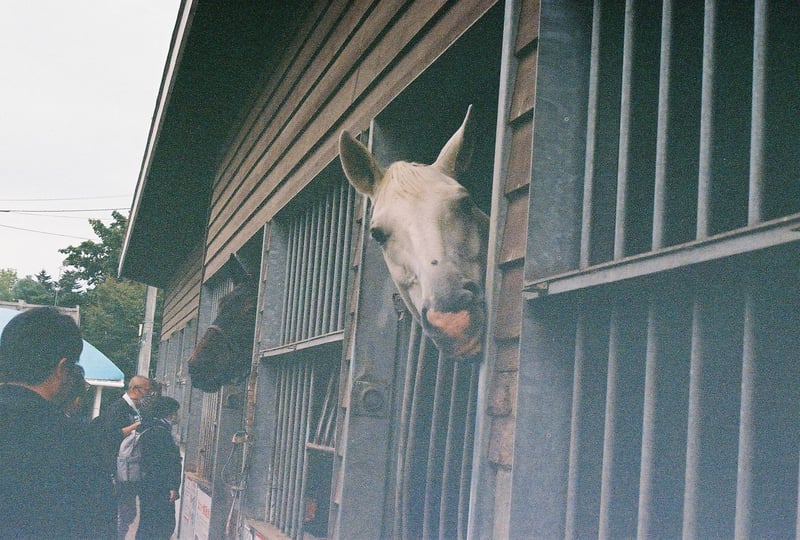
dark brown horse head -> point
(223, 354)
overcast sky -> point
(78, 86)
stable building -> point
(638, 162)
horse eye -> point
(379, 235)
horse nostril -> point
(473, 288)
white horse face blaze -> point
(433, 237)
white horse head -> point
(433, 237)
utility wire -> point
(44, 232)
(35, 214)
(20, 210)
(67, 198)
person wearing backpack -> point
(160, 469)
(115, 423)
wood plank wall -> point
(182, 296)
(349, 60)
(512, 251)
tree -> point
(8, 278)
(110, 318)
(111, 308)
(93, 262)
(35, 290)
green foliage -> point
(111, 309)
(110, 317)
(8, 278)
(93, 262)
(38, 290)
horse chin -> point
(458, 335)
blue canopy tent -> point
(99, 370)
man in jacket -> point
(46, 475)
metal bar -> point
(411, 439)
(662, 128)
(620, 231)
(346, 252)
(327, 264)
(605, 530)
(747, 449)
(694, 433)
(755, 207)
(306, 281)
(276, 453)
(411, 363)
(464, 495)
(319, 238)
(340, 258)
(293, 443)
(706, 121)
(291, 293)
(433, 449)
(452, 411)
(591, 136)
(768, 234)
(323, 411)
(647, 475)
(304, 389)
(570, 528)
(327, 434)
(287, 437)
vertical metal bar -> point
(293, 443)
(346, 252)
(693, 442)
(620, 231)
(304, 390)
(340, 270)
(411, 363)
(308, 235)
(591, 139)
(610, 426)
(570, 529)
(447, 473)
(433, 449)
(291, 313)
(277, 471)
(316, 243)
(328, 263)
(467, 452)
(662, 128)
(273, 471)
(706, 121)
(755, 207)
(287, 284)
(287, 441)
(747, 450)
(412, 439)
(644, 526)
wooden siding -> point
(182, 297)
(512, 253)
(342, 69)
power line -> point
(20, 210)
(44, 232)
(67, 198)
(36, 214)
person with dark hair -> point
(46, 477)
(77, 390)
(161, 470)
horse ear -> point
(455, 157)
(360, 167)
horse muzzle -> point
(457, 334)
